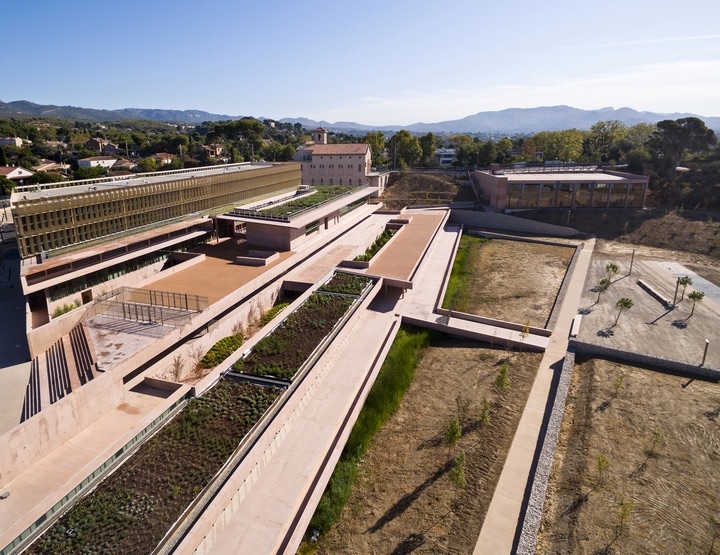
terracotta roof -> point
(356, 148)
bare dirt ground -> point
(425, 189)
(404, 500)
(517, 281)
(668, 488)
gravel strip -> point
(534, 511)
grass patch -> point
(456, 295)
(347, 284)
(395, 376)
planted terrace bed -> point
(282, 352)
(133, 508)
(347, 284)
(323, 193)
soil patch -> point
(660, 436)
(682, 231)
(514, 281)
(421, 189)
(404, 500)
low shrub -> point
(373, 249)
(221, 350)
(274, 311)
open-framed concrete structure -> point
(572, 188)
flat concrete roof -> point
(566, 177)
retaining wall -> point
(493, 220)
(641, 359)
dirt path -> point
(404, 500)
(669, 487)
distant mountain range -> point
(510, 121)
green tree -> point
(622, 305)
(3, 157)
(376, 140)
(673, 139)
(484, 419)
(560, 145)
(504, 148)
(605, 140)
(695, 297)
(6, 185)
(427, 145)
(146, 165)
(404, 149)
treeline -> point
(657, 150)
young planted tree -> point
(453, 433)
(657, 437)
(624, 511)
(622, 305)
(618, 384)
(524, 333)
(611, 269)
(602, 286)
(457, 472)
(695, 297)
(502, 380)
(684, 281)
(602, 465)
(484, 419)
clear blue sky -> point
(374, 62)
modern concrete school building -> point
(548, 187)
(78, 238)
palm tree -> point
(695, 297)
(684, 281)
(602, 286)
(621, 305)
(611, 268)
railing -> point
(56, 511)
(287, 216)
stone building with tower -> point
(338, 164)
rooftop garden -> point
(133, 508)
(286, 210)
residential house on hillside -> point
(51, 166)
(444, 157)
(11, 141)
(162, 158)
(97, 144)
(16, 173)
(97, 161)
(215, 151)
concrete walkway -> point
(503, 517)
(263, 521)
(419, 304)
